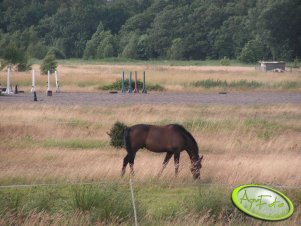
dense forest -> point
(247, 30)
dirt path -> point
(103, 99)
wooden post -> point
(122, 83)
(144, 90)
(130, 83)
(136, 90)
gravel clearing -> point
(105, 99)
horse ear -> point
(202, 157)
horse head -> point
(196, 168)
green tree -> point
(49, 63)
(37, 50)
(279, 26)
(16, 56)
(130, 50)
(13, 54)
(102, 44)
(177, 49)
(106, 46)
(253, 51)
(143, 47)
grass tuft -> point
(105, 203)
(264, 129)
(241, 84)
(214, 200)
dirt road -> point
(104, 99)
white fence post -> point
(49, 91)
(57, 84)
(133, 202)
(33, 89)
(8, 87)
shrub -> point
(296, 63)
(116, 134)
(225, 61)
(24, 65)
(49, 63)
(117, 85)
(210, 83)
(252, 51)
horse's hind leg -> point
(166, 160)
(177, 161)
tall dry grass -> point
(57, 144)
(240, 144)
(89, 77)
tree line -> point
(248, 30)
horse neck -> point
(192, 150)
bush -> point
(49, 63)
(24, 65)
(225, 61)
(117, 85)
(116, 134)
(296, 63)
(210, 83)
(252, 51)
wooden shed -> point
(271, 66)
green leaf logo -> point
(262, 202)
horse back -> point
(169, 138)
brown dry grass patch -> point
(89, 77)
(241, 144)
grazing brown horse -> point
(171, 139)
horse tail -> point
(127, 140)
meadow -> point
(86, 76)
(69, 145)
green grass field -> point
(164, 203)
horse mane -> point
(127, 140)
(187, 133)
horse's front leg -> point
(166, 160)
(125, 162)
(177, 163)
